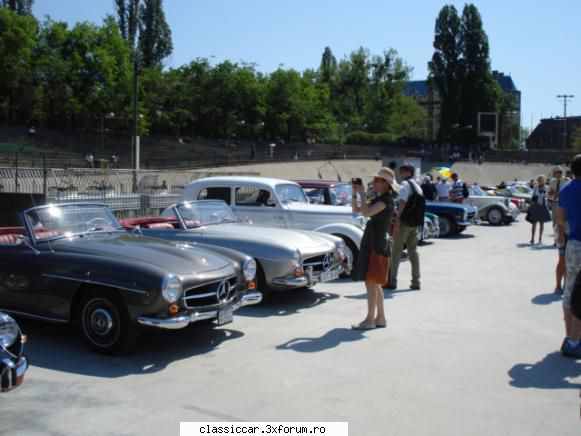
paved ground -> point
(474, 352)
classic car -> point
(75, 263)
(335, 193)
(522, 203)
(495, 210)
(286, 259)
(279, 203)
(452, 217)
(13, 363)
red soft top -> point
(129, 223)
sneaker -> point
(558, 290)
(391, 286)
(569, 351)
(415, 286)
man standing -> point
(569, 212)
(556, 183)
(443, 189)
(457, 191)
(428, 189)
(403, 233)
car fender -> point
(349, 230)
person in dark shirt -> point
(428, 189)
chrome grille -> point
(471, 216)
(207, 294)
(318, 262)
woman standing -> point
(539, 211)
(375, 239)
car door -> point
(258, 204)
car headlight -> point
(8, 331)
(249, 269)
(171, 288)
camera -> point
(356, 181)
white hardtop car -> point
(279, 203)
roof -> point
(319, 183)
(240, 180)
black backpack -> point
(465, 191)
(413, 212)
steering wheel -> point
(98, 224)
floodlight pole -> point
(564, 98)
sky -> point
(537, 42)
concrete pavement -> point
(474, 352)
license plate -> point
(329, 275)
(225, 316)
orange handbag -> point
(378, 266)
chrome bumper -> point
(181, 321)
(12, 373)
(310, 278)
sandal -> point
(381, 325)
(363, 326)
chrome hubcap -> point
(101, 322)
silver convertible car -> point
(286, 259)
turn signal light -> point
(24, 339)
(251, 285)
(173, 309)
(298, 272)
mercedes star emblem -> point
(327, 261)
(223, 292)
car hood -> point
(342, 213)
(256, 235)
(164, 254)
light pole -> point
(564, 98)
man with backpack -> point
(409, 217)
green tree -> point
(20, 7)
(17, 40)
(446, 69)
(480, 92)
(328, 66)
(155, 43)
(128, 20)
(351, 89)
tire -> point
(261, 284)
(350, 249)
(447, 226)
(104, 322)
(460, 229)
(495, 216)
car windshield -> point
(477, 191)
(58, 221)
(341, 195)
(202, 213)
(291, 194)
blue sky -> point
(536, 41)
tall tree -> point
(128, 20)
(20, 7)
(480, 92)
(155, 42)
(447, 67)
(328, 66)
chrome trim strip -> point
(209, 294)
(30, 315)
(93, 282)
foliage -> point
(20, 7)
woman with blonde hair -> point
(539, 210)
(373, 261)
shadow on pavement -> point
(460, 236)
(331, 339)
(544, 299)
(387, 294)
(287, 303)
(534, 247)
(550, 373)
(60, 348)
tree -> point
(328, 66)
(20, 7)
(128, 20)
(480, 92)
(155, 42)
(447, 67)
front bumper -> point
(184, 319)
(12, 371)
(310, 278)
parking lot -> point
(474, 352)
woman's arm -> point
(365, 209)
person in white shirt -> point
(443, 190)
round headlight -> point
(297, 258)
(249, 269)
(8, 330)
(171, 288)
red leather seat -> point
(158, 226)
(9, 238)
(46, 234)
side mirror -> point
(271, 202)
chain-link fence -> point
(126, 192)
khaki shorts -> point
(573, 260)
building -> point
(555, 134)
(508, 121)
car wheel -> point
(460, 229)
(350, 250)
(447, 226)
(261, 283)
(105, 323)
(495, 216)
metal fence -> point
(126, 192)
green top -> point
(375, 230)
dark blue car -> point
(453, 217)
